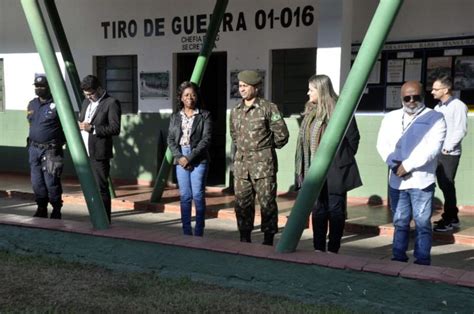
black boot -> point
(245, 236)
(42, 210)
(268, 238)
(56, 213)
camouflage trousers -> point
(265, 191)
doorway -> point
(214, 96)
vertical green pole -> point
(66, 114)
(65, 50)
(196, 77)
(69, 63)
(347, 104)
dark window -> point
(118, 74)
(291, 69)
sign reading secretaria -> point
(197, 24)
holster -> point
(54, 161)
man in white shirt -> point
(409, 141)
(455, 115)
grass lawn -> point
(47, 285)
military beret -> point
(41, 81)
(249, 77)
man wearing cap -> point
(257, 128)
(409, 141)
(45, 142)
(99, 121)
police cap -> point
(249, 77)
(41, 81)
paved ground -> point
(364, 220)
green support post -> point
(76, 147)
(346, 106)
(69, 63)
(196, 77)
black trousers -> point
(329, 211)
(101, 169)
(445, 173)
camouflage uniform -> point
(256, 131)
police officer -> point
(45, 142)
(257, 128)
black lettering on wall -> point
(105, 26)
(227, 23)
(241, 25)
(176, 25)
(201, 23)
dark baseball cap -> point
(41, 81)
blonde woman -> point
(329, 211)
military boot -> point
(268, 238)
(42, 210)
(245, 236)
(56, 213)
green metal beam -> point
(66, 113)
(346, 106)
(196, 77)
(69, 63)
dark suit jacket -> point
(106, 122)
(200, 139)
(343, 175)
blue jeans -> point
(192, 187)
(416, 203)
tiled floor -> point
(367, 237)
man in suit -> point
(99, 120)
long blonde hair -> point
(327, 97)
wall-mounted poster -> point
(395, 71)
(413, 69)
(234, 83)
(392, 97)
(464, 73)
(436, 67)
(374, 77)
(154, 84)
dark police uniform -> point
(256, 131)
(45, 142)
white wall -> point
(250, 48)
(419, 19)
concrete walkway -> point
(368, 231)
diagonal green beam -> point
(346, 106)
(69, 63)
(196, 77)
(67, 117)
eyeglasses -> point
(437, 89)
(414, 98)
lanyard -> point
(414, 118)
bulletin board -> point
(423, 61)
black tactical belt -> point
(46, 145)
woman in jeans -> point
(329, 210)
(189, 138)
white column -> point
(333, 56)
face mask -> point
(42, 92)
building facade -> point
(142, 50)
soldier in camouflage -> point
(257, 128)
